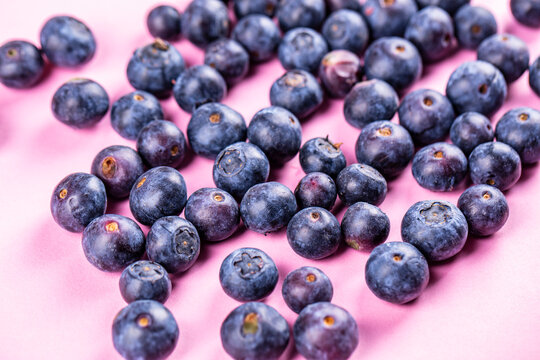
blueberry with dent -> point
(361, 182)
(145, 280)
(339, 71)
(322, 155)
(364, 226)
(161, 143)
(469, 130)
(316, 189)
(496, 164)
(133, 111)
(302, 48)
(197, 86)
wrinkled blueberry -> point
(346, 29)
(197, 86)
(259, 35)
(339, 71)
(161, 143)
(364, 226)
(534, 76)
(145, 280)
(229, 58)
(316, 189)
(473, 24)
(360, 182)
(469, 130)
(526, 12)
(304, 286)
(520, 128)
(247, 7)
(508, 53)
(495, 164)
(322, 155)
(164, 22)
(450, 6)
(205, 21)
(388, 17)
(302, 48)
(301, 13)
(21, 64)
(133, 111)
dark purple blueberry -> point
(508, 53)
(450, 6)
(145, 329)
(520, 128)
(364, 226)
(388, 17)
(145, 280)
(277, 132)
(164, 22)
(118, 167)
(213, 212)
(197, 86)
(21, 64)
(67, 41)
(473, 24)
(229, 58)
(254, 331)
(247, 7)
(335, 5)
(385, 146)
(302, 48)
(360, 182)
(305, 286)
(346, 29)
(534, 76)
(205, 21)
(267, 207)
(133, 111)
(259, 35)
(80, 103)
(174, 243)
(322, 155)
(240, 166)
(111, 242)
(161, 143)
(370, 101)
(159, 192)
(297, 91)
(495, 164)
(248, 274)
(435, 227)
(469, 130)
(339, 71)
(316, 189)
(325, 331)
(78, 199)
(300, 13)
(397, 272)
(527, 12)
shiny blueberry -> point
(364, 226)
(469, 130)
(302, 48)
(229, 58)
(316, 189)
(21, 64)
(360, 182)
(339, 71)
(145, 280)
(534, 76)
(520, 128)
(322, 155)
(485, 209)
(450, 6)
(305, 286)
(247, 7)
(205, 21)
(474, 24)
(508, 53)
(526, 12)
(161, 143)
(164, 22)
(495, 164)
(259, 35)
(301, 13)
(388, 18)
(346, 29)
(199, 85)
(133, 111)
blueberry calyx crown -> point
(231, 162)
(436, 213)
(184, 242)
(247, 265)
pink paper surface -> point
(482, 304)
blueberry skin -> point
(248, 274)
(214, 126)
(508, 53)
(111, 242)
(238, 167)
(394, 60)
(322, 155)
(336, 5)
(205, 21)
(364, 226)
(145, 280)
(118, 167)
(279, 206)
(254, 331)
(496, 164)
(159, 192)
(67, 41)
(473, 24)
(527, 12)
(469, 130)
(385, 146)
(325, 331)
(397, 272)
(259, 35)
(21, 64)
(339, 71)
(435, 227)
(346, 29)
(476, 86)
(534, 76)
(174, 243)
(229, 58)
(213, 212)
(388, 19)
(450, 6)
(80, 103)
(199, 85)
(316, 189)
(133, 111)
(301, 13)
(161, 143)
(370, 101)
(145, 329)
(360, 182)
(297, 91)
(485, 209)
(277, 132)
(247, 7)
(164, 22)
(520, 128)
(302, 48)
(78, 199)
(304, 286)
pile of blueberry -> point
(320, 38)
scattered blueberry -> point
(247, 7)
(164, 22)
(205, 21)
(304, 286)
(145, 280)
(495, 164)
(508, 53)
(316, 189)
(364, 226)
(21, 64)
(133, 111)
(450, 6)
(388, 17)
(161, 143)
(302, 48)
(346, 29)
(197, 86)
(301, 13)
(526, 12)
(520, 128)
(534, 76)
(469, 130)
(339, 71)
(322, 155)
(473, 24)
(360, 182)
(229, 58)
(259, 35)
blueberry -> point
(80, 103)
(335, 5)
(508, 53)
(67, 41)
(301, 13)
(322, 155)
(534, 76)
(259, 35)
(364, 226)
(385, 146)
(240, 166)
(397, 272)
(205, 21)
(161, 143)
(155, 67)
(394, 60)
(78, 199)
(469, 130)
(298, 91)
(145, 329)
(159, 192)
(435, 227)
(360, 182)
(370, 101)
(111, 242)
(304, 286)
(247, 7)
(279, 206)
(145, 280)
(520, 128)
(302, 48)
(473, 24)
(133, 111)
(248, 274)
(496, 164)
(485, 209)
(118, 167)
(229, 58)
(254, 331)
(325, 331)
(213, 212)
(346, 29)
(339, 71)
(197, 86)
(389, 17)
(277, 132)
(21, 64)
(450, 6)
(316, 189)
(164, 22)
(527, 12)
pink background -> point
(483, 304)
